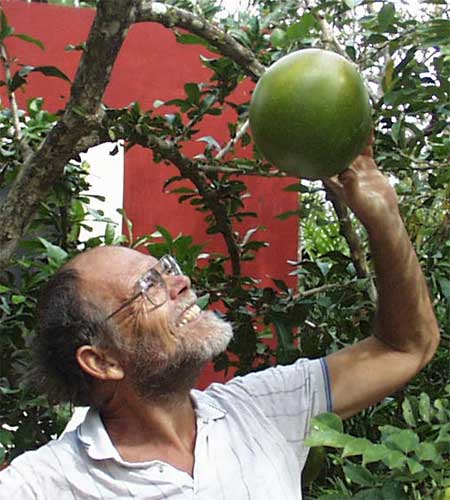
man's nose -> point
(177, 285)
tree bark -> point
(82, 114)
(171, 17)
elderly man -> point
(121, 332)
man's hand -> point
(406, 333)
(366, 191)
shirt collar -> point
(206, 408)
(95, 439)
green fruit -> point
(310, 114)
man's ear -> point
(98, 363)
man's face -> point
(166, 345)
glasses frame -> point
(153, 277)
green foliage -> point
(408, 461)
(398, 449)
(27, 420)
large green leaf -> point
(425, 407)
(30, 39)
(359, 475)
(405, 440)
(386, 16)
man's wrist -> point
(390, 226)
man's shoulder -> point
(22, 477)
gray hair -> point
(65, 322)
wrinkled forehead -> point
(108, 273)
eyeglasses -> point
(152, 284)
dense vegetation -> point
(398, 449)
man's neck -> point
(162, 429)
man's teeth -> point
(189, 315)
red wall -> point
(152, 65)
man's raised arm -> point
(406, 333)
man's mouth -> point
(189, 314)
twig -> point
(351, 236)
(321, 289)
(328, 38)
(26, 150)
(242, 130)
(240, 171)
(170, 16)
(330, 41)
(189, 169)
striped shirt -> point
(249, 446)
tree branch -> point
(242, 130)
(189, 169)
(82, 114)
(171, 17)
(354, 242)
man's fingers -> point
(368, 150)
(333, 184)
(349, 175)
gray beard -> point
(156, 375)
(174, 378)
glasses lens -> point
(169, 265)
(153, 285)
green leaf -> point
(6, 437)
(356, 446)
(301, 29)
(20, 76)
(375, 453)
(203, 301)
(408, 413)
(425, 407)
(193, 92)
(287, 214)
(327, 437)
(393, 490)
(352, 3)
(109, 234)
(370, 452)
(298, 187)
(165, 234)
(386, 16)
(404, 439)
(394, 459)
(414, 466)
(52, 71)
(191, 39)
(285, 338)
(427, 452)
(444, 285)
(18, 299)
(278, 37)
(371, 494)
(5, 29)
(328, 421)
(359, 475)
(54, 253)
(157, 103)
(4, 289)
(30, 39)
